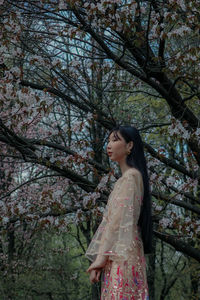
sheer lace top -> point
(118, 235)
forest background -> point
(69, 72)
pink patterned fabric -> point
(118, 237)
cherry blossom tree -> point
(70, 71)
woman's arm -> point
(99, 263)
(119, 233)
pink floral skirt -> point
(123, 280)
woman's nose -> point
(108, 146)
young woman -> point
(125, 232)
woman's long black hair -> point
(137, 160)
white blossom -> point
(153, 176)
(89, 116)
(170, 181)
(20, 208)
(197, 134)
(5, 220)
(165, 222)
(103, 182)
(89, 197)
(57, 193)
(158, 207)
(181, 31)
(176, 128)
(187, 219)
(75, 63)
(62, 4)
(50, 219)
(181, 3)
(198, 229)
(55, 62)
(77, 126)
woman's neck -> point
(123, 166)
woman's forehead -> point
(115, 134)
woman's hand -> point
(95, 275)
(99, 263)
(96, 267)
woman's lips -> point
(109, 153)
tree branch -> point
(179, 245)
(106, 122)
(27, 182)
(179, 203)
(169, 162)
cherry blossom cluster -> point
(178, 130)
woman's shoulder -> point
(131, 172)
(132, 176)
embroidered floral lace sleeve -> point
(118, 234)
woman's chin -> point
(113, 159)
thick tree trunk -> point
(195, 279)
(151, 271)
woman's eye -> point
(113, 140)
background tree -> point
(71, 71)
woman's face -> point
(117, 147)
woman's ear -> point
(130, 145)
